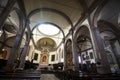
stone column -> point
(65, 55)
(75, 55)
(22, 58)
(103, 67)
(11, 63)
(6, 11)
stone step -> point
(30, 74)
(18, 77)
(116, 78)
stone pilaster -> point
(103, 67)
(22, 58)
(65, 55)
(75, 56)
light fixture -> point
(3, 49)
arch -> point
(51, 24)
(51, 10)
(21, 18)
(97, 12)
(77, 33)
(21, 21)
(111, 41)
(82, 37)
(108, 27)
(110, 34)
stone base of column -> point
(68, 68)
(101, 69)
(19, 69)
(10, 68)
(64, 68)
(75, 68)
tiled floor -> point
(48, 77)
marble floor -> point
(48, 77)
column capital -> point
(94, 28)
(27, 20)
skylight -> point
(48, 29)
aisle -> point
(48, 77)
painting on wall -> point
(35, 56)
(69, 60)
(91, 55)
(44, 58)
(3, 54)
(84, 55)
(52, 57)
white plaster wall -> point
(58, 55)
(31, 49)
(50, 55)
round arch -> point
(50, 24)
(78, 33)
(22, 22)
(21, 18)
(106, 26)
(51, 10)
(97, 13)
(83, 39)
(110, 35)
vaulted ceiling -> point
(58, 15)
(61, 14)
